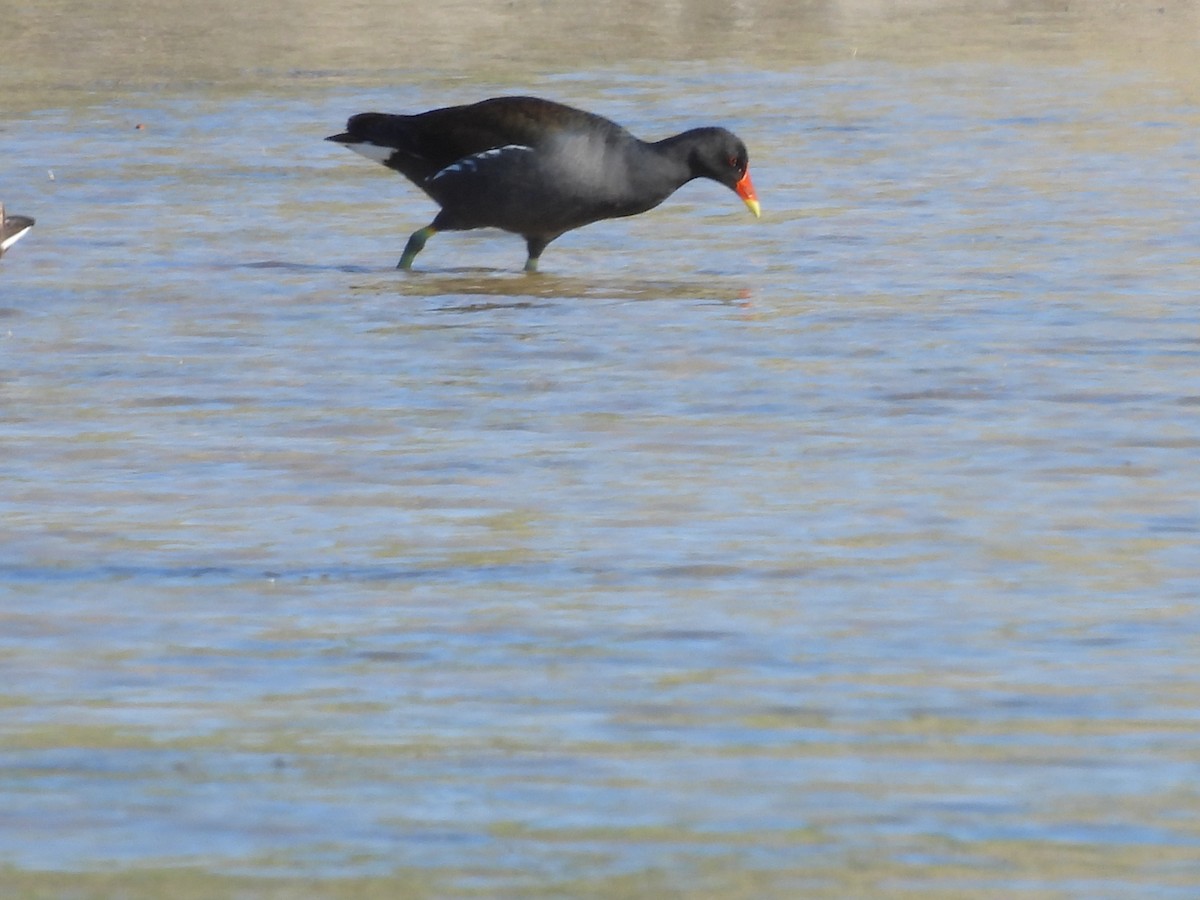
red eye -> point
(733, 162)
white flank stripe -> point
(469, 163)
(12, 239)
(373, 151)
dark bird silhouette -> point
(539, 168)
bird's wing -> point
(425, 145)
(484, 164)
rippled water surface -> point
(847, 553)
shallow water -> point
(851, 552)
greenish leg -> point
(415, 245)
(536, 246)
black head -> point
(717, 154)
(720, 155)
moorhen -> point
(538, 168)
(12, 229)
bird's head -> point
(720, 155)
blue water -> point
(861, 539)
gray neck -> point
(660, 169)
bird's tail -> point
(12, 228)
(380, 129)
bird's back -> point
(422, 145)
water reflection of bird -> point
(12, 229)
(538, 168)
